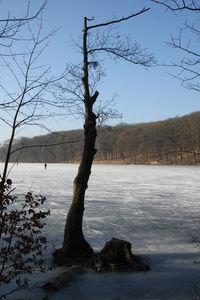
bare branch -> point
(27, 17)
(134, 55)
(188, 65)
(176, 5)
(10, 26)
(118, 20)
(46, 145)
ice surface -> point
(156, 208)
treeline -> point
(173, 141)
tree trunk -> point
(74, 244)
(74, 241)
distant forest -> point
(173, 141)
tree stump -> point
(117, 256)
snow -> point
(156, 208)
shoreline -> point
(111, 162)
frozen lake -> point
(156, 208)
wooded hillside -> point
(173, 141)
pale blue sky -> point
(142, 95)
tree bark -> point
(74, 242)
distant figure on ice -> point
(45, 166)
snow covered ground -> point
(156, 208)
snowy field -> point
(156, 208)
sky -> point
(141, 95)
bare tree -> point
(23, 86)
(82, 88)
(26, 101)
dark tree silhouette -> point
(81, 87)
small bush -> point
(21, 241)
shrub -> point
(21, 241)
